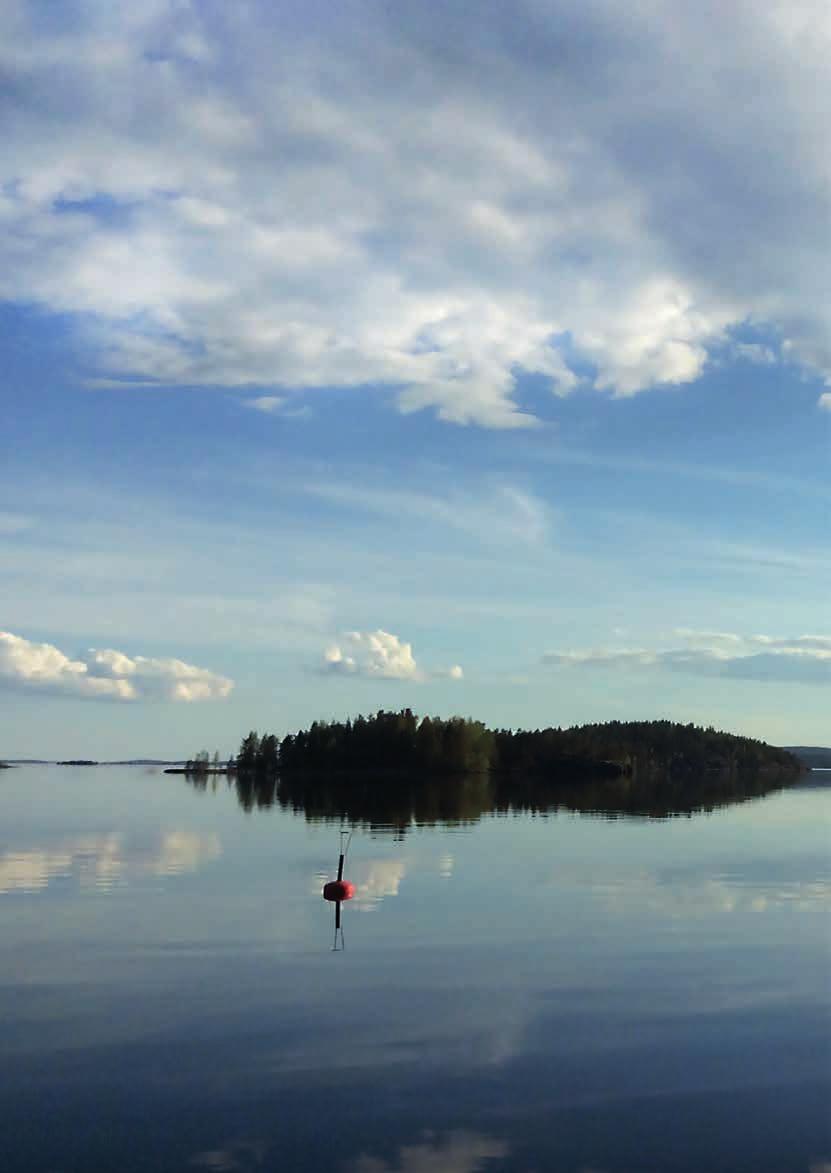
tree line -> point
(400, 742)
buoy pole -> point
(340, 866)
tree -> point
(249, 751)
(268, 756)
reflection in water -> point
(238, 1156)
(699, 896)
(633, 996)
(101, 861)
(376, 880)
(339, 890)
(461, 1152)
(381, 804)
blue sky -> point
(361, 357)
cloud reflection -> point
(460, 1152)
(691, 896)
(377, 879)
(104, 860)
(236, 1157)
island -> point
(815, 757)
(387, 745)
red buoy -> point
(338, 890)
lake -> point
(593, 990)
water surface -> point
(522, 990)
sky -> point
(362, 356)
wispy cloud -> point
(494, 515)
(276, 405)
(267, 404)
(802, 659)
(104, 674)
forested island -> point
(815, 757)
(390, 745)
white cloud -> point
(824, 401)
(494, 515)
(267, 404)
(379, 654)
(804, 659)
(555, 186)
(104, 674)
(373, 653)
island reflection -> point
(397, 805)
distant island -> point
(815, 757)
(389, 745)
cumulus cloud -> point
(379, 654)
(548, 189)
(824, 401)
(104, 674)
(804, 659)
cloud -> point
(267, 404)
(504, 514)
(372, 653)
(802, 659)
(379, 654)
(460, 1152)
(104, 674)
(103, 860)
(555, 190)
(824, 401)
(276, 405)
(14, 523)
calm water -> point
(517, 991)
